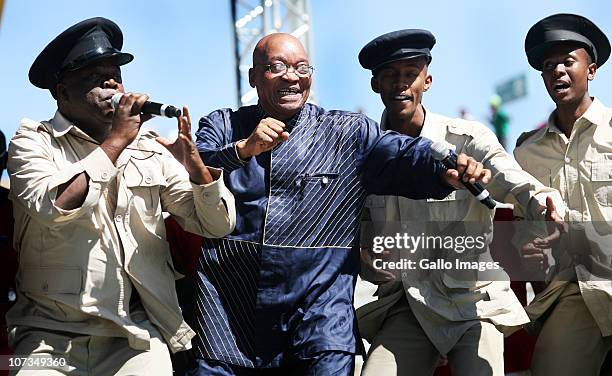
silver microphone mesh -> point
(115, 100)
(439, 150)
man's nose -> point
(559, 70)
(291, 75)
(401, 85)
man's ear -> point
(374, 85)
(428, 82)
(592, 70)
(61, 93)
(252, 77)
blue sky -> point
(184, 55)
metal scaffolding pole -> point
(1, 7)
(253, 20)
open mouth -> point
(289, 91)
(402, 98)
(561, 86)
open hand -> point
(185, 151)
(533, 254)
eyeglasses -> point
(302, 70)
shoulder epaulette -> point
(524, 136)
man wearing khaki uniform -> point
(441, 312)
(96, 282)
(573, 153)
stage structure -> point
(1, 7)
(255, 19)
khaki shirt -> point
(79, 268)
(445, 305)
(580, 167)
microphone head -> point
(115, 100)
(440, 149)
(172, 111)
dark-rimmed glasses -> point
(302, 70)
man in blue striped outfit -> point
(276, 296)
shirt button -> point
(298, 183)
(325, 180)
(118, 218)
(148, 179)
(568, 159)
(105, 175)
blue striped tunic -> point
(281, 285)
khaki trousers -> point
(401, 347)
(570, 342)
(90, 355)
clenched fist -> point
(268, 133)
(468, 170)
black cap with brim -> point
(565, 29)
(396, 45)
(81, 45)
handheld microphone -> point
(441, 151)
(151, 108)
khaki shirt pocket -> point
(601, 180)
(376, 207)
(145, 183)
(451, 208)
(51, 280)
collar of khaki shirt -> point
(597, 114)
(431, 126)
